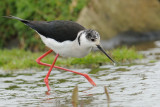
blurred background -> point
(122, 22)
(134, 82)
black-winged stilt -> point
(67, 39)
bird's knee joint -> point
(45, 80)
(38, 61)
(86, 75)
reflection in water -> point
(107, 95)
(75, 97)
(128, 84)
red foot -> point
(89, 79)
(47, 84)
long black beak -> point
(101, 49)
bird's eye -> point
(92, 40)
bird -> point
(66, 39)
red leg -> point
(83, 74)
(51, 66)
(46, 78)
(38, 60)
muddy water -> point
(130, 85)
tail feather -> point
(13, 17)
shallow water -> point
(130, 85)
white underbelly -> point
(66, 48)
(72, 53)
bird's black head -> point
(92, 35)
(92, 39)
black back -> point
(58, 30)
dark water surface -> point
(130, 85)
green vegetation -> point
(47, 10)
(20, 59)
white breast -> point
(66, 48)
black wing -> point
(58, 30)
